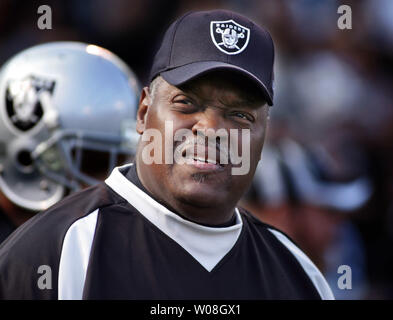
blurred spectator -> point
(295, 190)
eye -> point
(184, 101)
(184, 104)
(243, 116)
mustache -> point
(203, 147)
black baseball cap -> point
(203, 41)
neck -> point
(208, 216)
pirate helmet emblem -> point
(229, 36)
(23, 101)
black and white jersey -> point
(114, 241)
(6, 226)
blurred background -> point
(326, 177)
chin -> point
(203, 188)
(203, 194)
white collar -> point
(207, 245)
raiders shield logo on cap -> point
(229, 36)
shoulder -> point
(308, 266)
(39, 242)
(60, 216)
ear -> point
(144, 105)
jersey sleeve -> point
(30, 258)
(28, 262)
(309, 267)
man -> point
(167, 226)
(55, 99)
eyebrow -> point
(243, 103)
(235, 103)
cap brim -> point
(181, 75)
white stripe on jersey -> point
(309, 267)
(74, 257)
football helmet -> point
(64, 106)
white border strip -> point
(309, 267)
(74, 257)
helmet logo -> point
(229, 36)
(23, 101)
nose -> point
(209, 119)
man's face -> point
(215, 101)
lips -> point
(206, 166)
(203, 157)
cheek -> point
(154, 119)
(255, 144)
(165, 124)
(259, 138)
(162, 114)
(175, 126)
